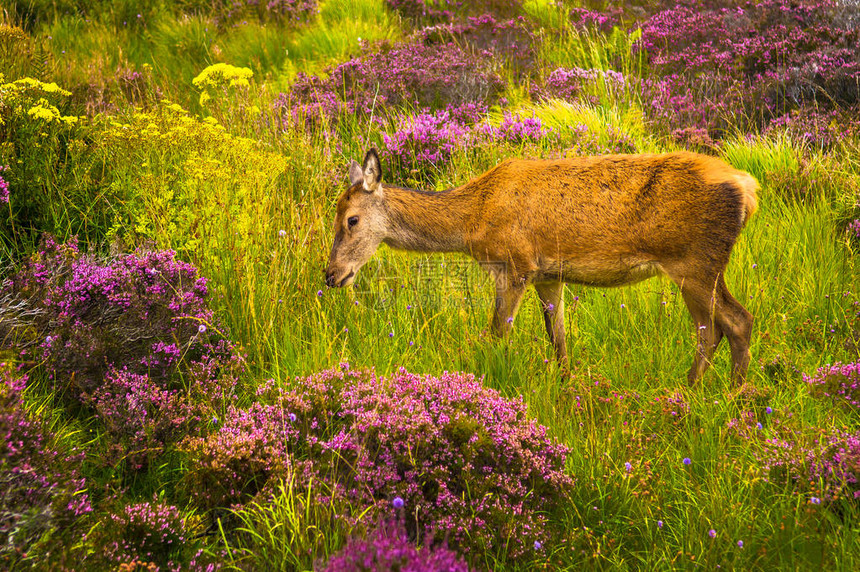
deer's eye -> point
(352, 221)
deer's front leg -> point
(509, 294)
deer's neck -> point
(427, 221)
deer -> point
(602, 221)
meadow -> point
(181, 391)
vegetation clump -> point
(43, 493)
(467, 464)
(132, 339)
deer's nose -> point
(329, 279)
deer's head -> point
(360, 223)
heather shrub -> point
(4, 186)
(388, 547)
(839, 382)
(515, 130)
(853, 230)
(581, 140)
(459, 456)
(577, 84)
(407, 74)
(150, 535)
(42, 493)
(596, 20)
(421, 145)
(131, 337)
(508, 41)
(565, 83)
(424, 142)
(727, 66)
(827, 469)
(837, 468)
(467, 464)
(817, 128)
(251, 448)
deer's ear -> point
(356, 175)
(372, 171)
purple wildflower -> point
(4, 186)
(389, 548)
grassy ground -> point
(252, 206)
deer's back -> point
(622, 215)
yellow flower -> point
(44, 110)
(53, 88)
(219, 74)
(28, 82)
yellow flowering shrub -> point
(220, 78)
(34, 98)
(225, 92)
(47, 112)
(222, 202)
(223, 75)
(189, 185)
(47, 156)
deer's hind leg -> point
(708, 332)
(737, 323)
(701, 300)
(551, 296)
(715, 313)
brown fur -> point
(601, 221)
